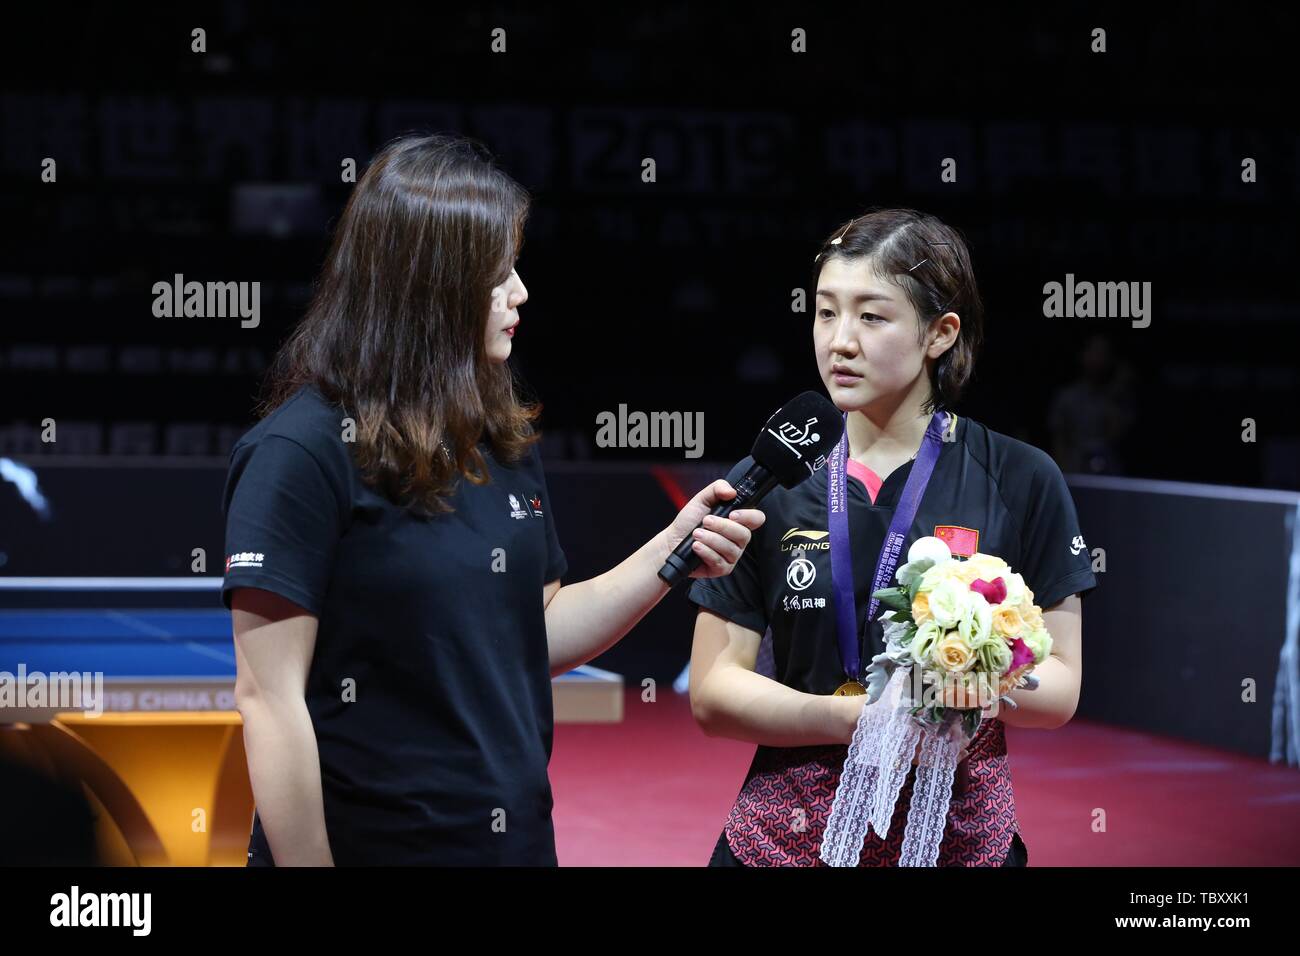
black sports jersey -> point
(429, 689)
(988, 493)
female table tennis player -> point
(393, 564)
(897, 327)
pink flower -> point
(1020, 655)
(995, 591)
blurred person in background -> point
(1090, 417)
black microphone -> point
(791, 446)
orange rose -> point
(921, 608)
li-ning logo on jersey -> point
(801, 572)
(799, 538)
(1077, 544)
(244, 559)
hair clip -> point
(836, 240)
(927, 258)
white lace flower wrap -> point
(878, 761)
(894, 726)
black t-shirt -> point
(988, 493)
(429, 689)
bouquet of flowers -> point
(968, 630)
(966, 633)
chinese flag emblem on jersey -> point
(963, 541)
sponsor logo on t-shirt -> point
(519, 510)
(244, 559)
(1077, 544)
(793, 602)
(801, 572)
(798, 538)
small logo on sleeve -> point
(244, 559)
(529, 507)
(962, 541)
(1077, 544)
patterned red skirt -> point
(780, 815)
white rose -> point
(1040, 642)
(988, 566)
(994, 657)
(976, 623)
(948, 602)
(927, 635)
(1016, 590)
(943, 571)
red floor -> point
(653, 791)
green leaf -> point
(900, 617)
(909, 575)
(895, 599)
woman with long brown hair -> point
(393, 566)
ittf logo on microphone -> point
(794, 437)
(789, 434)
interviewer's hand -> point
(720, 542)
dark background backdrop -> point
(1118, 166)
(1123, 166)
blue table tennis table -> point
(149, 725)
(175, 658)
(156, 642)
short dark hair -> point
(930, 261)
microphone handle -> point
(756, 483)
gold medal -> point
(849, 689)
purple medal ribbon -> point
(837, 508)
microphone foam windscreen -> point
(797, 438)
